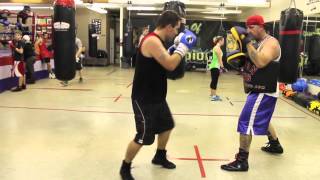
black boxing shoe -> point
(236, 165)
(240, 164)
(160, 158)
(273, 147)
(125, 171)
(17, 89)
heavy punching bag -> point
(291, 22)
(64, 39)
(314, 47)
(93, 40)
(128, 40)
(313, 66)
(179, 8)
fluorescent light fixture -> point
(148, 14)
(45, 7)
(214, 17)
(97, 9)
(311, 21)
(106, 5)
(223, 11)
(142, 8)
(209, 10)
(12, 8)
(77, 2)
(19, 8)
(228, 3)
(246, 1)
(251, 3)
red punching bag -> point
(291, 22)
(64, 39)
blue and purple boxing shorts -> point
(256, 114)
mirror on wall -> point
(310, 46)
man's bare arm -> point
(152, 47)
(268, 53)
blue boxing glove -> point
(187, 40)
(19, 25)
(4, 22)
(241, 36)
(171, 49)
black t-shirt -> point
(28, 50)
(15, 54)
(150, 80)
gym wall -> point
(273, 13)
(83, 18)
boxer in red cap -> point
(260, 82)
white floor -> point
(80, 132)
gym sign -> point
(195, 27)
(199, 56)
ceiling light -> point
(223, 11)
(246, 1)
(251, 3)
(214, 17)
(142, 8)
(311, 21)
(148, 14)
(106, 5)
(43, 7)
(77, 2)
(97, 9)
(227, 3)
(12, 8)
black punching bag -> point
(179, 8)
(64, 39)
(128, 40)
(93, 40)
(291, 22)
(314, 48)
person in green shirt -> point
(215, 65)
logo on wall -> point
(198, 56)
(198, 59)
(195, 27)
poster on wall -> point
(205, 31)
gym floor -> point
(80, 132)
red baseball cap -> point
(255, 20)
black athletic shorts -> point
(79, 65)
(151, 119)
